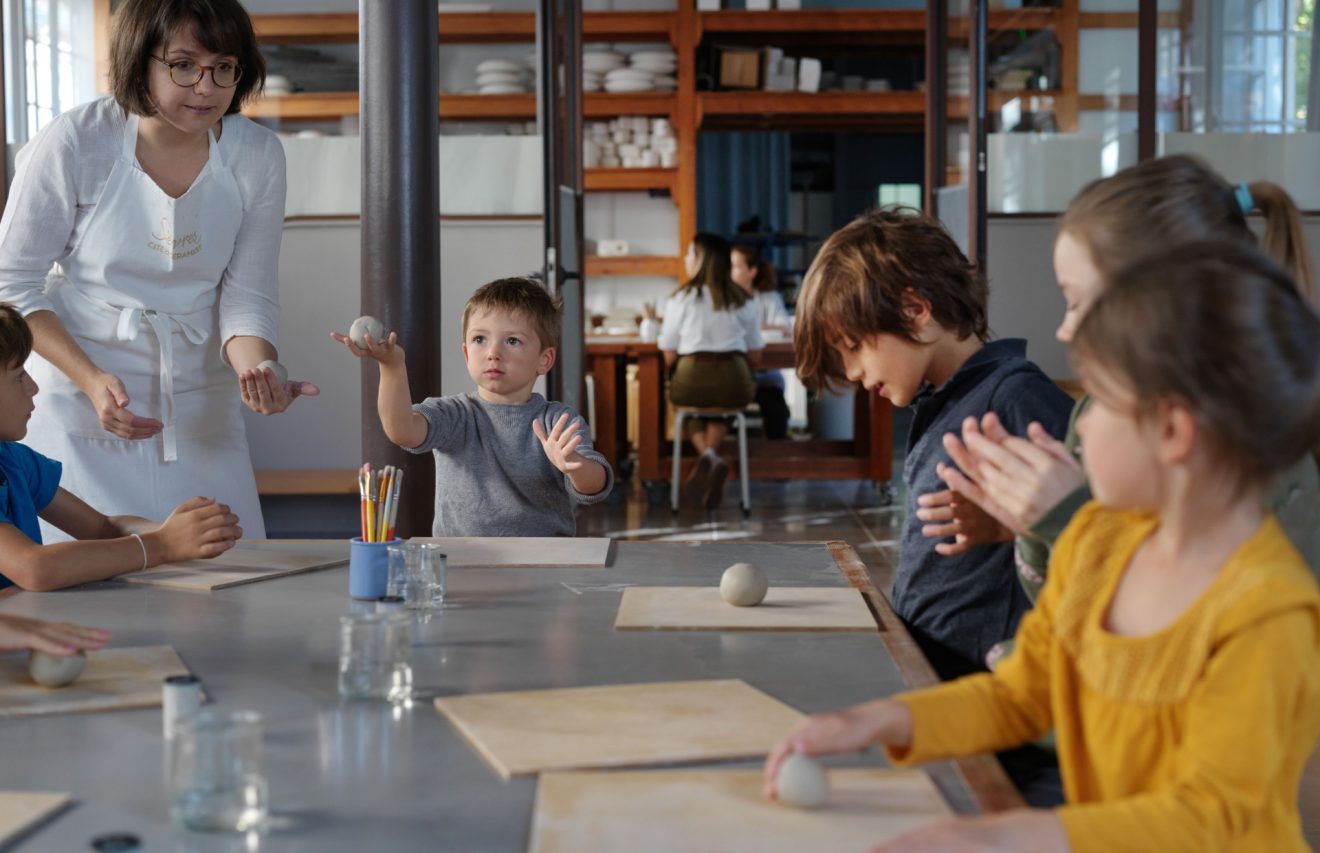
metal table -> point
(356, 776)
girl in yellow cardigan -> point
(1175, 648)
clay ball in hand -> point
(363, 326)
(56, 670)
(281, 374)
(801, 782)
(743, 585)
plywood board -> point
(114, 679)
(723, 810)
(243, 564)
(20, 811)
(700, 608)
(523, 552)
(620, 726)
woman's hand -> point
(266, 395)
(198, 529)
(56, 638)
(387, 352)
(109, 398)
(951, 514)
(850, 730)
(1021, 478)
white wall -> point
(1024, 299)
(320, 266)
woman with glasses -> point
(141, 241)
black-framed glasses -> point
(187, 73)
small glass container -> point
(216, 784)
(373, 656)
(429, 575)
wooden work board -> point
(723, 810)
(522, 552)
(627, 725)
(21, 811)
(243, 564)
(700, 608)
(115, 679)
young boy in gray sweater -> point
(508, 462)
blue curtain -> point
(741, 175)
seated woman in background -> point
(757, 277)
(711, 338)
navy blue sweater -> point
(958, 607)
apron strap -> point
(130, 320)
(128, 149)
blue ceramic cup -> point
(368, 568)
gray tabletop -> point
(363, 776)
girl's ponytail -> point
(1284, 239)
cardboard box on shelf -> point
(740, 68)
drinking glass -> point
(216, 783)
(373, 656)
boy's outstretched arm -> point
(560, 446)
(402, 425)
(197, 529)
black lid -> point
(391, 599)
(116, 842)
(183, 679)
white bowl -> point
(504, 65)
(626, 74)
(501, 89)
(666, 55)
(278, 81)
(626, 86)
(500, 78)
(655, 65)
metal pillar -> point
(976, 127)
(1148, 34)
(559, 102)
(400, 129)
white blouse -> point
(691, 324)
(58, 181)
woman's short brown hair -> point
(854, 288)
(141, 27)
(1219, 328)
(766, 277)
(15, 337)
(519, 295)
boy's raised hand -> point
(56, 638)
(561, 444)
(387, 352)
(198, 529)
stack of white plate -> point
(501, 77)
(629, 80)
(660, 63)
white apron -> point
(140, 292)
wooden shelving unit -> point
(656, 265)
(689, 110)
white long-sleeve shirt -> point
(58, 182)
(692, 324)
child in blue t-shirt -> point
(30, 489)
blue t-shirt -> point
(28, 482)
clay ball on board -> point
(363, 326)
(801, 782)
(56, 670)
(281, 374)
(743, 585)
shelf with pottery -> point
(327, 106)
(798, 109)
(468, 27)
